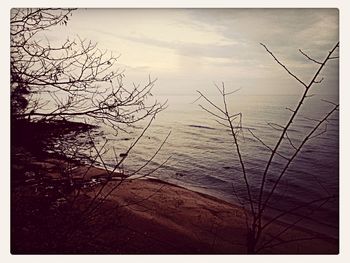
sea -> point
(200, 154)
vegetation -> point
(257, 200)
(59, 96)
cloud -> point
(284, 29)
(188, 46)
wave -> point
(201, 127)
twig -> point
(290, 121)
(308, 57)
(307, 137)
(283, 66)
(268, 147)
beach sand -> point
(148, 216)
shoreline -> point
(284, 222)
(162, 217)
(266, 217)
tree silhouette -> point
(57, 92)
(258, 200)
(74, 80)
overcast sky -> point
(189, 49)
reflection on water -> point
(203, 159)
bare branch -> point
(152, 157)
(290, 211)
(330, 102)
(223, 124)
(290, 141)
(276, 126)
(268, 147)
(286, 127)
(289, 226)
(211, 103)
(234, 132)
(318, 81)
(212, 113)
(307, 137)
(289, 109)
(309, 58)
(283, 66)
(320, 133)
(236, 90)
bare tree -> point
(73, 81)
(76, 82)
(257, 201)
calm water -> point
(203, 157)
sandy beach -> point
(148, 216)
(174, 130)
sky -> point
(192, 49)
